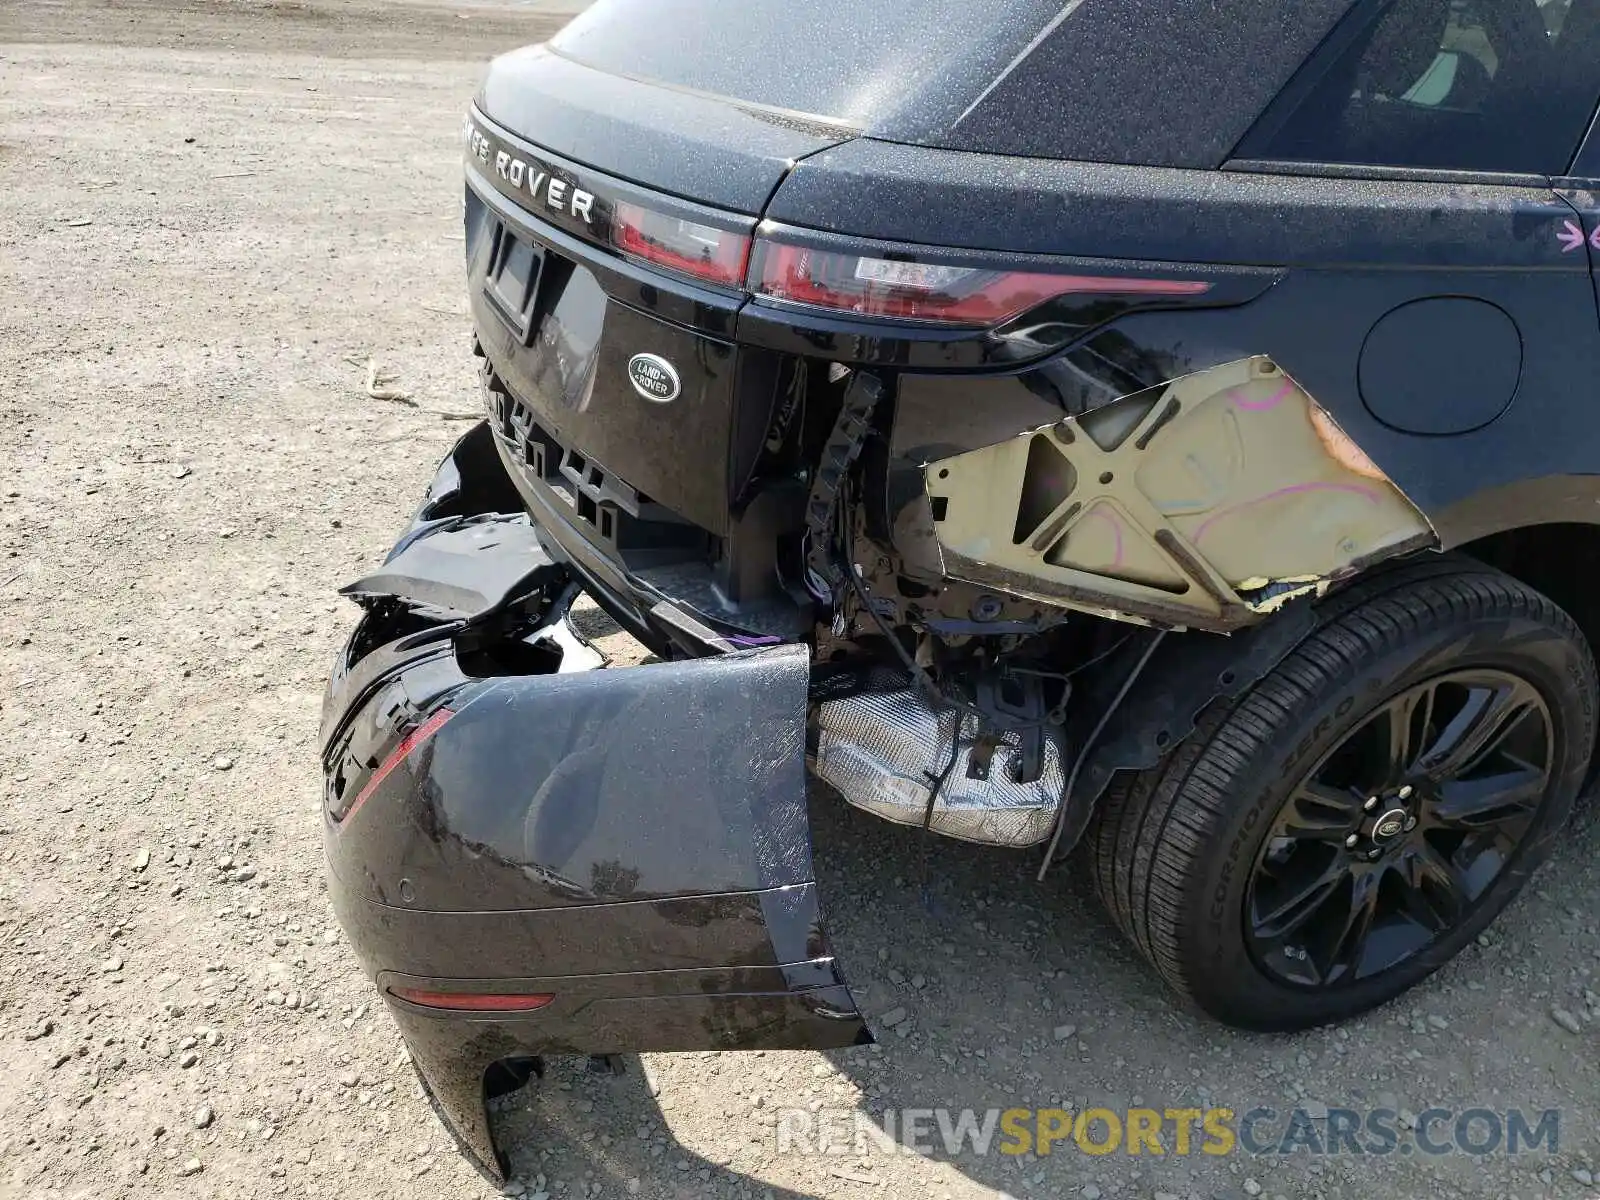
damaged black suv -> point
(1155, 428)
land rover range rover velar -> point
(1153, 436)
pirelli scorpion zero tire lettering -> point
(1366, 810)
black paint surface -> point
(1441, 366)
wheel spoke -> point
(1489, 715)
(1392, 839)
(1319, 812)
(1349, 942)
(1303, 901)
(1405, 729)
(1435, 893)
(1511, 794)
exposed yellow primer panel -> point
(1208, 503)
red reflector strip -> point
(472, 1001)
(715, 255)
(407, 744)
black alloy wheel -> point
(1366, 809)
(1389, 842)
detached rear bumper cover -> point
(630, 842)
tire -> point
(1183, 854)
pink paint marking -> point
(1356, 489)
(1571, 237)
(1096, 514)
(1266, 405)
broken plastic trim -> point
(401, 752)
(467, 570)
(1208, 502)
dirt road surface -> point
(215, 216)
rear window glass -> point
(1484, 85)
(851, 62)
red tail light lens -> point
(473, 1001)
(704, 252)
(407, 744)
(946, 295)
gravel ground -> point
(220, 220)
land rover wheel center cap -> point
(1389, 826)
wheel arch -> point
(1554, 558)
(1192, 671)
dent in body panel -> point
(1208, 502)
(542, 790)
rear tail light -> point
(474, 1001)
(914, 291)
(860, 285)
(407, 744)
(702, 251)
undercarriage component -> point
(1206, 503)
(890, 752)
(1164, 704)
(824, 576)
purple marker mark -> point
(737, 640)
(1594, 238)
(1572, 237)
(1266, 405)
(1355, 489)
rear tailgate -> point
(716, 151)
(560, 323)
(623, 410)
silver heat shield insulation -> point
(882, 751)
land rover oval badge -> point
(653, 377)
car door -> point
(1581, 189)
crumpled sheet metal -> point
(1208, 503)
(882, 750)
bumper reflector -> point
(472, 1001)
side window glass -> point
(1482, 85)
